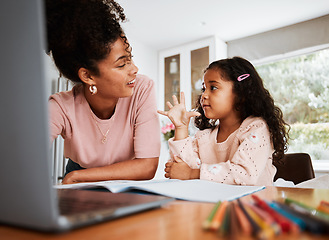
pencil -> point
(284, 223)
(322, 225)
(267, 218)
(309, 209)
(224, 228)
(310, 225)
(234, 224)
(323, 208)
(219, 215)
(206, 224)
(243, 221)
(266, 232)
(325, 203)
(292, 217)
(254, 225)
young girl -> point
(241, 130)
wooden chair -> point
(295, 167)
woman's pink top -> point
(244, 158)
(134, 128)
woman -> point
(108, 120)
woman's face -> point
(117, 73)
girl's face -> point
(117, 73)
(218, 99)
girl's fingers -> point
(169, 164)
(167, 175)
(175, 100)
(170, 105)
(193, 114)
(162, 112)
(177, 159)
(182, 98)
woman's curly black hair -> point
(80, 33)
(252, 99)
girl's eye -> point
(213, 88)
(203, 89)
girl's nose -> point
(204, 96)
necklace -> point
(104, 139)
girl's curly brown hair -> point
(252, 99)
(80, 33)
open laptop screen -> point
(25, 161)
(27, 196)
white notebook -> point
(190, 190)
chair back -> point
(295, 167)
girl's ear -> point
(85, 76)
(238, 103)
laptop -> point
(28, 198)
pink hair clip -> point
(243, 77)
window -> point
(172, 78)
(300, 87)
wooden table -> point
(178, 220)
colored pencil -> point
(283, 222)
(255, 228)
(266, 232)
(309, 209)
(234, 224)
(323, 208)
(224, 228)
(280, 209)
(218, 217)
(323, 225)
(310, 225)
(323, 202)
(243, 221)
(267, 218)
(206, 224)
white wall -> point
(146, 59)
(52, 74)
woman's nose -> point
(134, 69)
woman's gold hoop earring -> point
(93, 89)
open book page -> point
(190, 190)
(321, 182)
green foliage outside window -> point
(300, 87)
(310, 138)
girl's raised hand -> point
(177, 113)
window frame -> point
(320, 166)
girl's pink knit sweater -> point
(244, 158)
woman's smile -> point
(131, 83)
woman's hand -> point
(178, 169)
(71, 177)
(179, 116)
